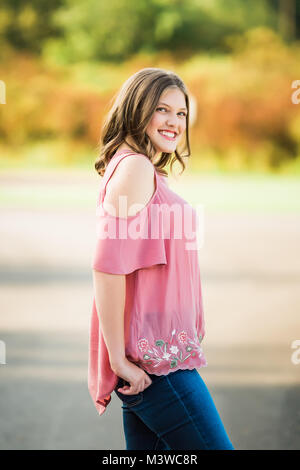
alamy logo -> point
(186, 221)
(2, 352)
(2, 92)
(295, 358)
(295, 95)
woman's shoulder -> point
(131, 170)
(133, 177)
(135, 163)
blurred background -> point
(61, 62)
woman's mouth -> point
(168, 135)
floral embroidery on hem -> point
(166, 351)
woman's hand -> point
(137, 378)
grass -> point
(251, 193)
(216, 192)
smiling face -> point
(169, 115)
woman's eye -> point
(181, 112)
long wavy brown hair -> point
(132, 109)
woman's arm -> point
(110, 303)
(135, 180)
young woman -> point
(147, 322)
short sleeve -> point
(124, 245)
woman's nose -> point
(172, 121)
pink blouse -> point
(163, 316)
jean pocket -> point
(129, 400)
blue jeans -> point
(175, 412)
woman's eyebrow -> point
(169, 105)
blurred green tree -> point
(75, 30)
(115, 30)
(25, 25)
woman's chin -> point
(167, 149)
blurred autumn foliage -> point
(245, 117)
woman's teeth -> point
(168, 135)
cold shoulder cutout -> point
(136, 175)
(124, 244)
